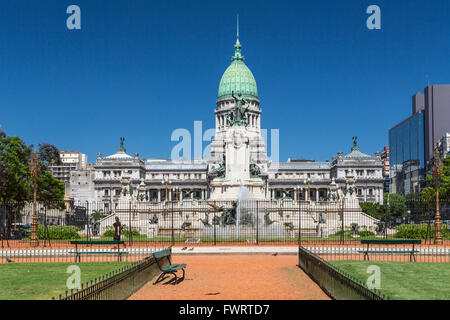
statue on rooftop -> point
(122, 140)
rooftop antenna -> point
(428, 80)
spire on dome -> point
(237, 46)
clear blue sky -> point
(141, 69)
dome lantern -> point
(237, 77)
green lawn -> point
(404, 280)
(39, 281)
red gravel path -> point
(230, 277)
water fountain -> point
(243, 195)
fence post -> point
(214, 224)
(3, 226)
(342, 224)
(87, 219)
(46, 232)
(299, 225)
(173, 231)
(257, 221)
(129, 223)
(386, 216)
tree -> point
(97, 215)
(428, 194)
(15, 179)
(373, 209)
(49, 154)
(394, 205)
(16, 184)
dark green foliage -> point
(375, 210)
(97, 215)
(428, 195)
(366, 233)
(394, 205)
(125, 232)
(59, 232)
(49, 154)
(15, 178)
(419, 231)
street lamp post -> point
(437, 172)
(166, 184)
(34, 171)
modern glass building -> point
(407, 159)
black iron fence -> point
(116, 285)
(336, 283)
(333, 229)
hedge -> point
(59, 232)
(419, 231)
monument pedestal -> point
(222, 189)
(237, 169)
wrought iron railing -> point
(320, 224)
(336, 283)
(116, 285)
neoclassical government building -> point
(122, 176)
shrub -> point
(366, 233)
(419, 231)
(125, 232)
(59, 232)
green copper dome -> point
(238, 77)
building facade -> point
(386, 169)
(443, 145)
(407, 161)
(436, 116)
(122, 176)
(70, 161)
(412, 141)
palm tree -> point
(97, 215)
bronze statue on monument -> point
(237, 116)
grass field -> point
(404, 280)
(40, 281)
